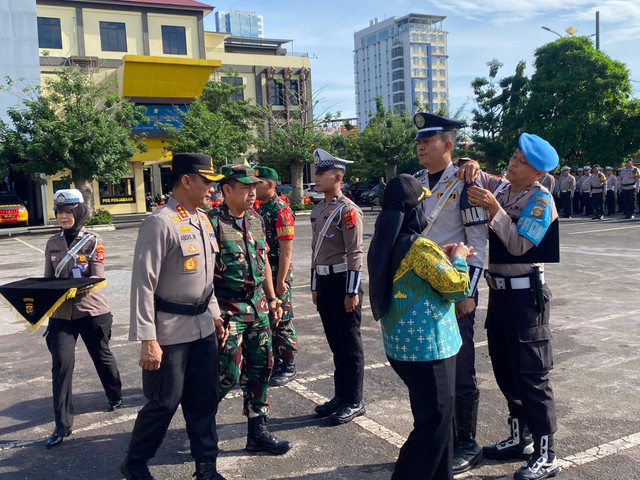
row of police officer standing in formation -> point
(590, 191)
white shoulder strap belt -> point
(323, 232)
(438, 208)
(72, 253)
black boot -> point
(518, 445)
(542, 464)
(206, 470)
(135, 471)
(466, 451)
(285, 374)
(259, 439)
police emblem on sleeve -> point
(350, 219)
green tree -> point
(217, 124)
(348, 147)
(388, 140)
(74, 123)
(581, 102)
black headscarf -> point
(400, 224)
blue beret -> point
(538, 152)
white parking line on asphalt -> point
(602, 230)
(29, 245)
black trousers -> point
(62, 336)
(520, 348)
(188, 375)
(598, 204)
(428, 452)
(342, 330)
(565, 200)
(466, 359)
(577, 203)
(610, 200)
(628, 200)
(588, 204)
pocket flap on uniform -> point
(189, 249)
(534, 334)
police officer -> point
(577, 197)
(336, 271)
(518, 312)
(585, 191)
(598, 183)
(567, 188)
(629, 187)
(279, 225)
(244, 288)
(453, 219)
(612, 185)
(174, 313)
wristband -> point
(269, 300)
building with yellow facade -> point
(158, 54)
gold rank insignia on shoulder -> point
(181, 211)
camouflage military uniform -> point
(240, 271)
(279, 220)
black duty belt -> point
(627, 184)
(242, 296)
(182, 308)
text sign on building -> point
(158, 113)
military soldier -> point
(629, 187)
(452, 219)
(336, 270)
(577, 197)
(176, 247)
(518, 313)
(567, 188)
(244, 288)
(597, 183)
(612, 185)
(585, 191)
(279, 225)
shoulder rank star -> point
(182, 212)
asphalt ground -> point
(596, 379)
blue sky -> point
(479, 30)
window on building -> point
(294, 92)
(235, 82)
(49, 33)
(277, 92)
(174, 40)
(113, 37)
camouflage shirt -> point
(240, 265)
(279, 225)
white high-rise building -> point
(404, 60)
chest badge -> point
(192, 248)
(185, 228)
(190, 264)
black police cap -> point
(429, 125)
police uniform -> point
(577, 197)
(585, 191)
(597, 183)
(517, 324)
(458, 221)
(567, 186)
(240, 271)
(279, 223)
(173, 303)
(78, 253)
(629, 186)
(610, 198)
(336, 271)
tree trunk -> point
(296, 181)
(86, 189)
(392, 170)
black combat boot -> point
(518, 445)
(285, 374)
(466, 451)
(206, 470)
(135, 471)
(542, 463)
(259, 439)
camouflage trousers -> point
(285, 340)
(247, 356)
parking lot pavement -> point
(596, 380)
